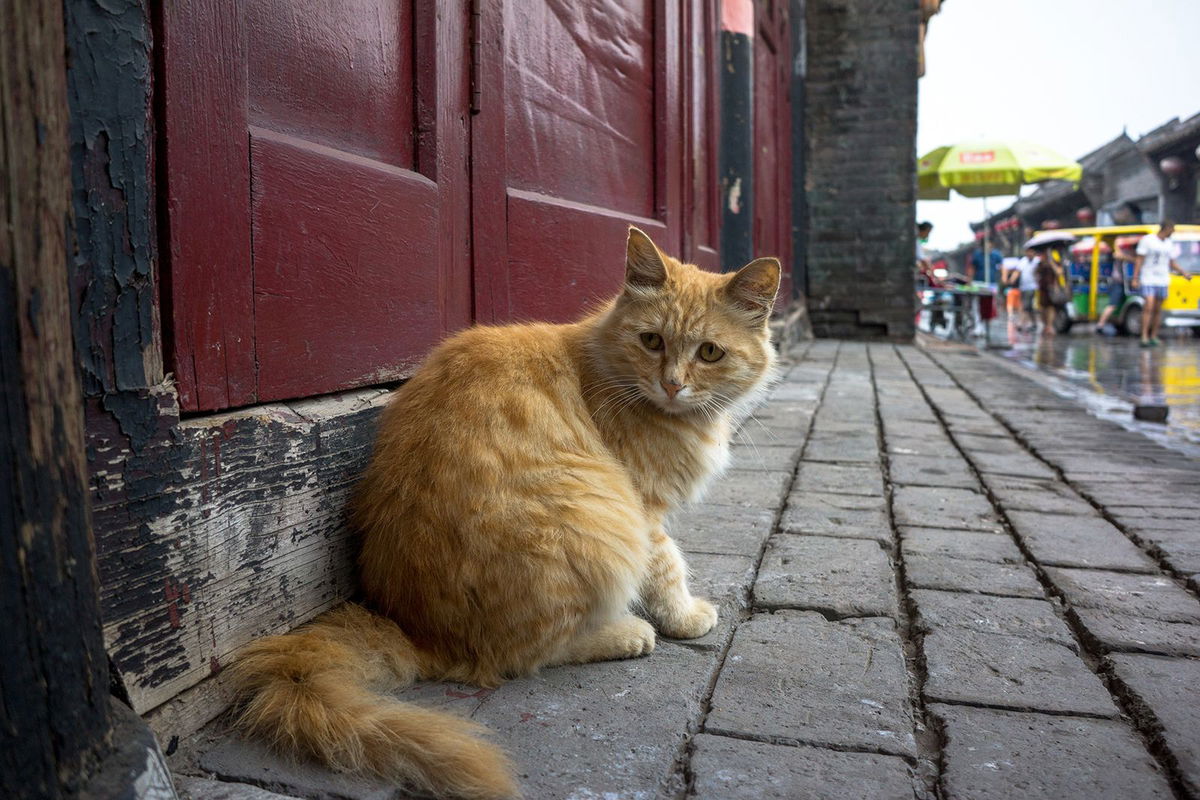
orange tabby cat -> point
(513, 515)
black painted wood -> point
(737, 149)
(54, 704)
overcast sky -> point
(1067, 74)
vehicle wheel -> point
(1062, 320)
(1132, 321)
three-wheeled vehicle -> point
(1099, 258)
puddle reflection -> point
(1117, 366)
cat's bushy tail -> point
(310, 693)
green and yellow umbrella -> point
(990, 168)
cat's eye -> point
(652, 341)
(710, 352)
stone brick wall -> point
(860, 132)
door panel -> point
(578, 137)
(330, 293)
(579, 101)
(338, 195)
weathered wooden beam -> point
(54, 705)
(221, 529)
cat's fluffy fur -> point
(513, 516)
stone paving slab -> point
(1020, 464)
(1025, 617)
(1180, 548)
(838, 577)
(962, 575)
(1168, 687)
(736, 769)
(767, 459)
(797, 676)
(585, 730)
(1153, 596)
(749, 488)
(1002, 755)
(957, 509)
(1044, 501)
(930, 470)
(732, 530)
(845, 448)
(1123, 632)
(966, 666)
(971, 545)
(243, 761)
(827, 478)
(849, 516)
(1078, 541)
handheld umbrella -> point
(988, 169)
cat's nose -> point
(671, 387)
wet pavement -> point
(1112, 374)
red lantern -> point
(1050, 225)
(979, 236)
(1085, 216)
(1172, 166)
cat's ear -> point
(753, 287)
(644, 267)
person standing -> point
(1156, 260)
(977, 269)
(1047, 273)
(1028, 286)
(1116, 291)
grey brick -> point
(860, 448)
(1078, 541)
(841, 577)
(971, 545)
(769, 459)
(1168, 687)
(749, 488)
(1117, 631)
(721, 529)
(943, 508)
(592, 730)
(1000, 755)
(1011, 672)
(735, 769)
(249, 761)
(946, 469)
(1020, 464)
(818, 476)
(961, 575)
(1028, 618)
(796, 675)
(850, 516)
(1153, 596)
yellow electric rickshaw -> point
(1096, 261)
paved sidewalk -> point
(936, 578)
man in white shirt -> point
(1028, 286)
(1156, 254)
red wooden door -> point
(772, 140)
(318, 197)
(580, 133)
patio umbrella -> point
(988, 169)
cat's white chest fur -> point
(715, 460)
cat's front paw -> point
(693, 622)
